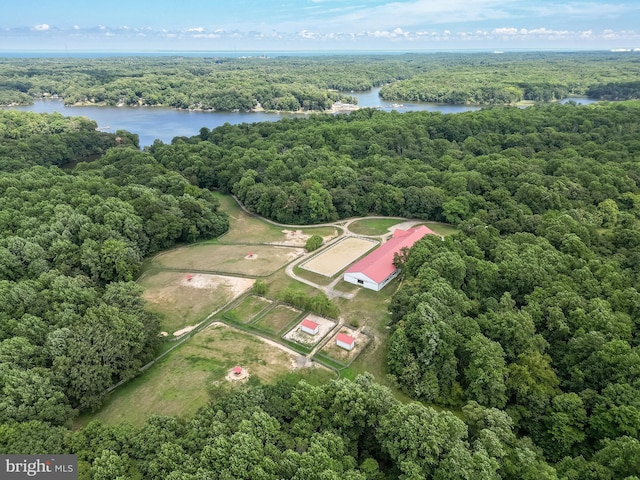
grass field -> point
(373, 226)
(278, 318)
(312, 277)
(247, 229)
(249, 308)
(443, 229)
(182, 303)
(179, 384)
(231, 259)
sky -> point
(318, 25)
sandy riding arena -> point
(339, 256)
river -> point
(151, 123)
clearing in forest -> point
(253, 260)
(183, 302)
(180, 383)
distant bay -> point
(151, 123)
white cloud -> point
(42, 27)
(505, 31)
(196, 29)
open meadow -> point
(183, 302)
(254, 260)
(248, 229)
(276, 319)
(180, 383)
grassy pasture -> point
(229, 259)
(278, 318)
(180, 383)
(182, 303)
(373, 226)
(443, 229)
(247, 229)
(247, 310)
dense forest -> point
(315, 83)
(533, 307)
(522, 328)
(72, 321)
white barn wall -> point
(365, 281)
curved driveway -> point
(329, 290)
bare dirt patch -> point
(325, 325)
(233, 376)
(339, 256)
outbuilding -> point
(377, 269)
(309, 326)
(345, 341)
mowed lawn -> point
(231, 259)
(380, 226)
(179, 383)
(182, 302)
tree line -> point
(72, 321)
(344, 429)
(315, 83)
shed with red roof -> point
(376, 269)
(309, 326)
(345, 341)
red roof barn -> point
(376, 269)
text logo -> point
(50, 467)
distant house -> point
(345, 341)
(376, 269)
(309, 326)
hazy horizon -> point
(319, 25)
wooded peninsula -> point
(316, 83)
(513, 348)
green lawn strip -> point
(443, 229)
(311, 276)
(369, 309)
(328, 361)
(373, 226)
